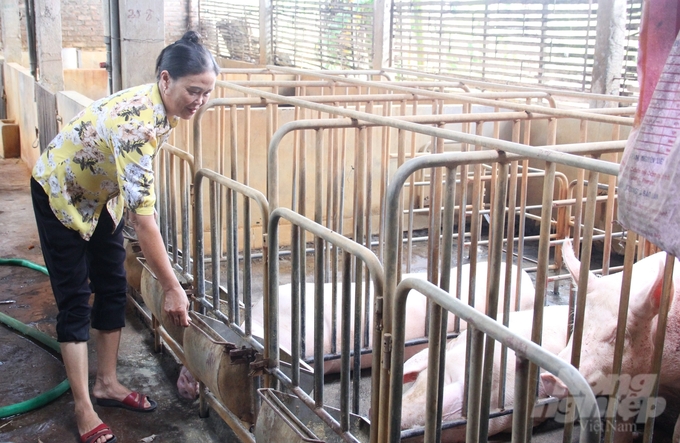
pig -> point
(416, 309)
(187, 386)
(555, 329)
(599, 335)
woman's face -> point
(183, 96)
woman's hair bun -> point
(192, 36)
(186, 56)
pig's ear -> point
(574, 265)
(415, 365)
(410, 376)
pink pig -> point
(416, 310)
(555, 324)
(187, 386)
(599, 336)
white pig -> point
(555, 325)
(416, 310)
(187, 386)
(599, 334)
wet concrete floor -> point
(28, 369)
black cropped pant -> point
(79, 268)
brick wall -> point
(83, 26)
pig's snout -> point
(553, 386)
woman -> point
(99, 165)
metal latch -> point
(387, 351)
(242, 356)
(258, 366)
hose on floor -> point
(52, 394)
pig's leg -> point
(453, 401)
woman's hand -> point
(176, 301)
(177, 306)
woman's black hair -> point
(187, 56)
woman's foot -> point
(116, 391)
(89, 420)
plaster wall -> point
(92, 83)
(69, 104)
(20, 92)
(21, 106)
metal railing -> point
(525, 351)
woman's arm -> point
(150, 240)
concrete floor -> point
(27, 369)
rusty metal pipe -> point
(487, 102)
(488, 85)
(376, 273)
(584, 398)
(493, 290)
(667, 295)
(622, 319)
(487, 142)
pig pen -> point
(356, 164)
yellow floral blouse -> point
(103, 157)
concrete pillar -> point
(11, 31)
(609, 48)
(266, 56)
(48, 44)
(142, 35)
(381, 34)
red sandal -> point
(133, 402)
(98, 432)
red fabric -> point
(658, 28)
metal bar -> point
(172, 186)
(345, 341)
(667, 295)
(199, 258)
(444, 283)
(522, 403)
(583, 396)
(489, 85)
(232, 221)
(480, 101)
(586, 252)
(613, 401)
(360, 190)
(495, 257)
(392, 239)
(541, 286)
(215, 251)
(357, 250)
(487, 142)
(244, 435)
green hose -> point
(24, 263)
(52, 394)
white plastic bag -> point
(649, 184)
